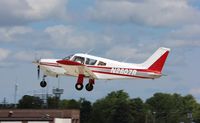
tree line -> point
(118, 107)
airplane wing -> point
(90, 73)
(75, 68)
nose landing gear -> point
(43, 83)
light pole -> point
(189, 114)
(154, 117)
(15, 95)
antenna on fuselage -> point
(89, 51)
(125, 60)
(36, 56)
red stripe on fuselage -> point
(49, 64)
(106, 68)
(69, 62)
(139, 70)
(122, 75)
(99, 67)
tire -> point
(89, 87)
(43, 84)
(79, 86)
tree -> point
(138, 109)
(168, 108)
(85, 110)
(121, 113)
(30, 102)
(53, 102)
(69, 104)
(114, 108)
(191, 108)
(164, 108)
(117, 107)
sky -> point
(123, 30)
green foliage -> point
(114, 108)
(118, 107)
(69, 104)
(139, 110)
(170, 108)
(53, 102)
(30, 102)
(121, 113)
(85, 110)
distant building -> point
(5, 105)
(43, 97)
(39, 116)
(57, 92)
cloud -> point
(4, 53)
(175, 43)
(24, 11)
(30, 55)
(186, 36)
(7, 65)
(56, 37)
(126, 53)
(69, 37)
(195, 92)
(148, 12)
(9, 34)
(186, 32)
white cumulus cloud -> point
(149, 12)
(187, 32)
(69, 37)
(9, 34)
(195, 91)
(30, 55)
(126, 53)
(23, 11)
(186, 36)
(4, 53)
(173, 43)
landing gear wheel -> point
(43, 83)
(89, 87)
(79, 86)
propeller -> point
(38, 71)
(37, 62)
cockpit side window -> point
(101, 63)
(68, 57)
(79, 59)
(90, 61)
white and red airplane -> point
(95, 68)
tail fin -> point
(157, 60)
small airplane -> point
(95, 68)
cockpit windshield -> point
(68, 57)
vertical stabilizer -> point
(157, 60)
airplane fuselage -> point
(113, 69)
(92, 67)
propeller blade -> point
(38, 71)
(36, 62)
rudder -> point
(157, 60)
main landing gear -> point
(43, 83)
(79, 84)
(89, 86)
